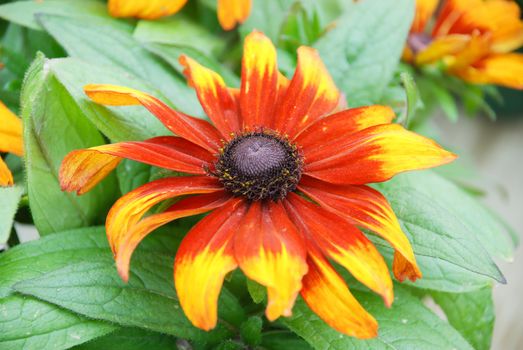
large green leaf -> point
(31, 324)
(472, 314)
(450, 237)
(109, 42)
(9, 199)
(131, 339)
(49, 112)
(408, 324)
(363, 50)
(267, 16)
(24, 12)
(117, 123)
(76, 272)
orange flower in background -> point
(10, 141)
(283, 176)
(474, 39)
(230, 12)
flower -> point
(10, 141)
(284, 177)
(473, 38)
(230, 12)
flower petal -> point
(196, 130)
(342, 242)
(343, 124)
(10, 132)
(186, 207)
(327, 294)
(366, 207)
(374, 154)
(218, 102)
(424, 11)
(232, 12)
(259, 86)
(130, 208)
(6, 178)
(202, 261)
(81, 170)
(270, 251)
(310, 95)
(146, 9)
(442, 47)
(504, 69)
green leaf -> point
(117, 123)
(302, 25)
(48, 112)
(77, 272)
(9, 199)
(449, 232)
(31, 324)
(472, 314)
(131, 339)
(257, 292)
(251, 329)
(283, 340)
(24, 12)
(408, 324)
(132, 174)
(110, 43)
(413, 100)
(179, 31)
(363, 50)
(268, 17)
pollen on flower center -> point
(259, 165)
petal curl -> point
(260, 76)
(6, 178)
(196, 130)
(504, 69)
(204, 258)
(146, 9)
(186, 207)
(233, 12)
(343, 243)
(81, 170)
(311, 94)
(218, 102)
(366, 207)
(374, 154)
(327, 294)
(270, 251)
(343, 124)
(130, 208)
(10, 132)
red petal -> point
(186, 207)
(81, 170)
(196, 130)
(342, 124)
(310, 95)
(328, 296)
(366, 207)
(130, 208)
(270, 251)
(217, 100)
(259, 87)
(374, 154)
(343, 243)
(202, 261)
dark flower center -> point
(259, 165)
(418, 41)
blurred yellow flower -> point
(10, 141)
(230, 12)
(473, 38)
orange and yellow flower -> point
(230, 12)
(10, 141)
(473, 38)
(284, 175)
